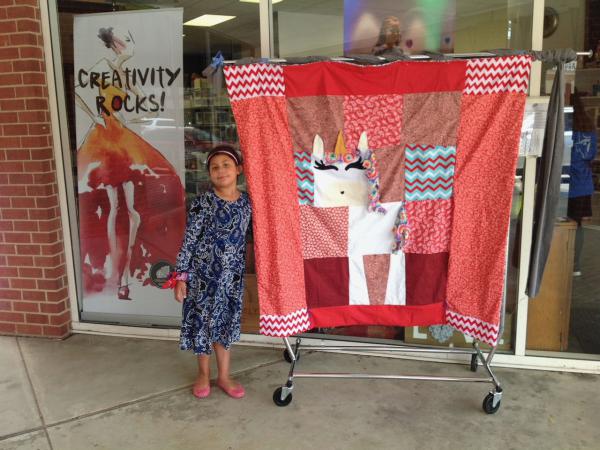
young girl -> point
(210, 271)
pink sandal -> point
(201, 392)
(237, 392)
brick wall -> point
(33, 293)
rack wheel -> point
(286, 356)
(277, 398)
(474, 363)
(488, 401)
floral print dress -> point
(213, 256)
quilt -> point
(380, 194)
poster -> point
(392, 26)
(130, 157)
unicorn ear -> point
(363, 143)
(318, 147)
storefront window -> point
(338, 27)
(130, 103)
(565, 316)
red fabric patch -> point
(377, 268)
(379, 115)
(486, 159)
(431, 118)
(390, 164)
(309, 116)
(327, 281)
(324, 231)
(331, 78)
(426, 278)
(429, 222)
(393, 316)
(262, 124)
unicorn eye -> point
(356, 165)
(319, 165)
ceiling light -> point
(208, 20)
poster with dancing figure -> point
(130, 157)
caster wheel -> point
(286, 356)
(473, 363)
(488, 402)
(277, 398)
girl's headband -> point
(223, 150)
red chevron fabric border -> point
(494, 75)
(254, 80)
(485, 332)
(284, 325)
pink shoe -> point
(201, 392)
(237, 392)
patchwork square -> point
(430, 224)
(309, 116)
(305, 178)
(429, 172)
(390, 165)
(385, 275)
(324, 232)
(370, 233)
(379, 115)
(327, 282)
(431, 118)
(426, 277)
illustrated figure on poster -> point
(131, 200)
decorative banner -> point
(130, 158)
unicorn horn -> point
(340, 147)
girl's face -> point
(223, 171)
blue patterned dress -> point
(213, 254)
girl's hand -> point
(180, 291)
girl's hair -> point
(107, 36)
(224, 150)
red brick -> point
(8, 53)
(53, 308)
(32, 116)
(18, 154)
(50, 285)
(12, 105)
(20, 178)
(37, 318)
(60, 319)
(38, 296)
(10, 142)
(55, 296)
(33, 250)
(11, 317)
(28, 25)
(43, 190)
(59, 332)
(12, 190)
(8, 26)
(15, 214)
(7, 249)
(36, 103)
(8, 328)
(10, 79)
(6, 225)
(19, 260)
(4, 284)
(42, 214)
(45, 238)
(8, 272)
(10, 294)
(37, 129)
(26, 225)
(18, 12)
(33, 3)
(52, 249)
(19, 39)
(31, 52)
(2, 17)
(14, 130)
(26, 65)
(31, 330)
(34, 78)
(46, 202)
(7, 306)
(23, 202)
(17, 238)
(34, 141)
(7, 2)
(47, 261)
(7, 92)
(57, 272)
(30, 272)
(9, 117)
(11, 167)
(26, 306)
(30, 91)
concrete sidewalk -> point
(96, 392)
